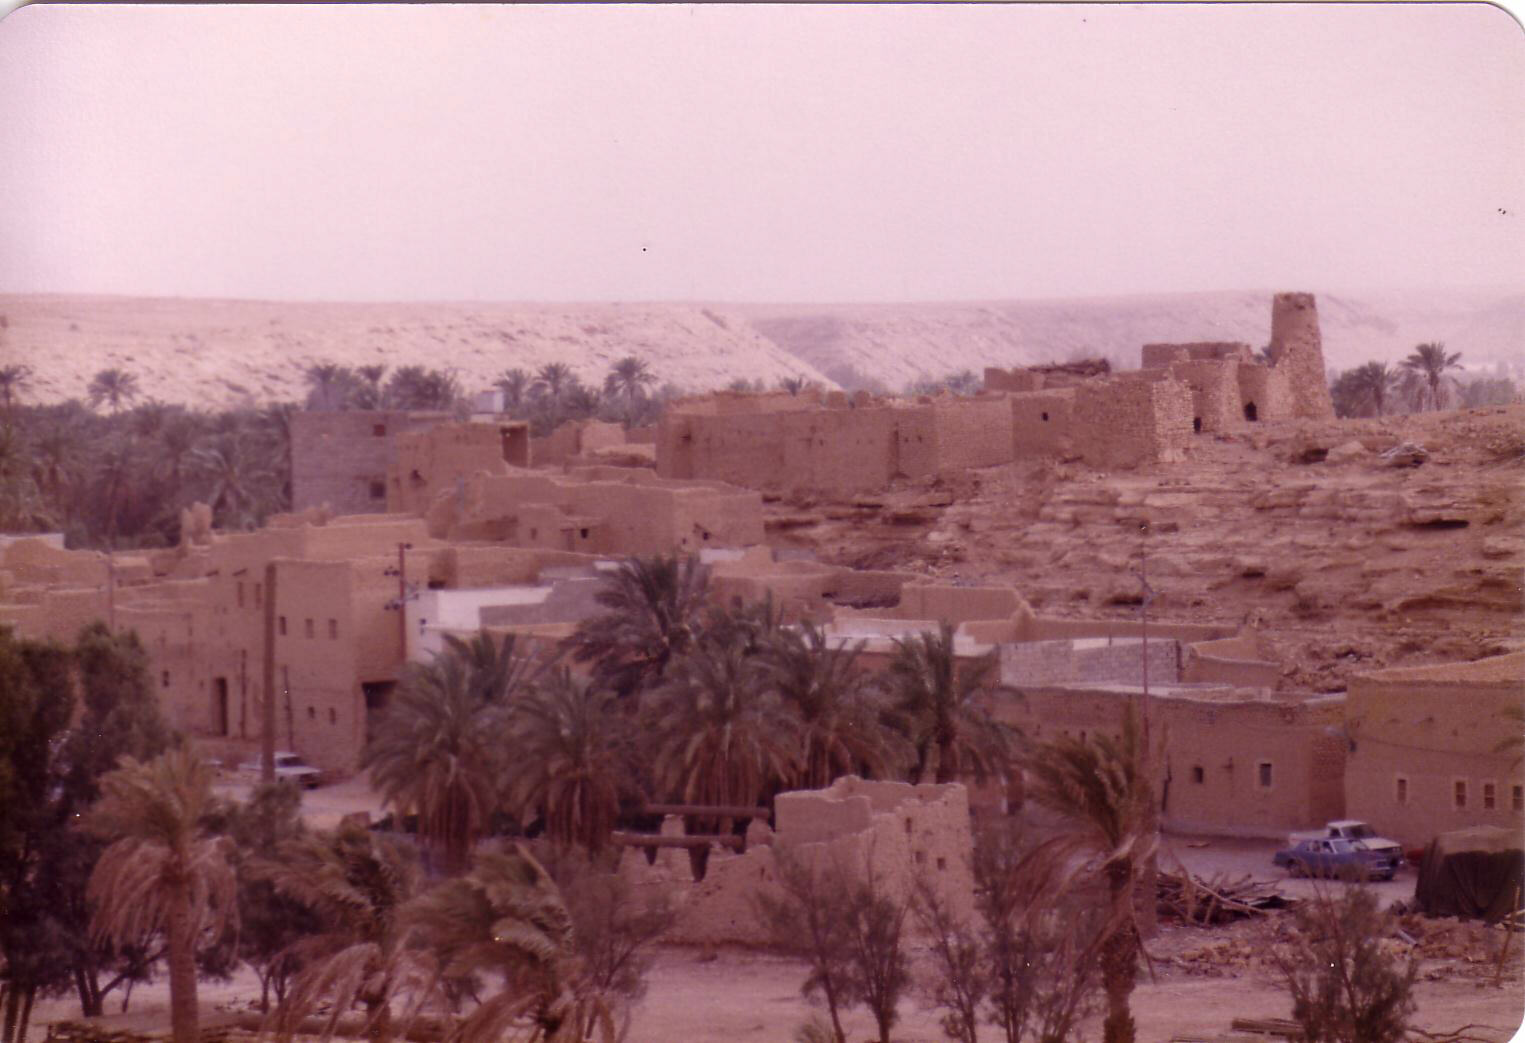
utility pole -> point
(402, 601)
(267, 770)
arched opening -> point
(1250, 412)
(1196, 425)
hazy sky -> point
(758, 153)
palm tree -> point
(114, 387)
(514, 383)
(239, 483)
(572, 759)
(935, 701)
(331, 387)
(842, 722)
(420, 388)
(1104, 786)
(163, 871)
(496, 670)
(1428, 364)
(367, 392)
(628, 379)
(436, 754)
(507, 920)
(654, 609)
(718, 733)
(359, 884)
(549, 387)
(1365, 390)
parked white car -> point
(287, 766)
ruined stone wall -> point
(1437, 731)
(969, 432)
(1297, 349)
(1215, 401)
(1268, 390)
(1042, 423)
(1121, 423)
(342, 459)
(1232, 765)
(1162, 356)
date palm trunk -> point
(183, 1009)
(1119, 956)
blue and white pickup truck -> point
(1355, 831)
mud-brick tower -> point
(1298, 351)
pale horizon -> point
(759, 155)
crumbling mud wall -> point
(900, 833)
(575, 438)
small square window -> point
(378, 490)
(1263, 774)
(312, 713)
(333, 630)
(1402, 790)
(942, 863)
(1459, 793)
(379, 430)
(1490, 796)
(1198, 776)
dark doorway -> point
(220, 706)
(1196, 425)
(377, 695)
(1250, 412)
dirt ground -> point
(1198, 981)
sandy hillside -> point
(226, 352)
(221, 353)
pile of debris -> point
(1191, 899)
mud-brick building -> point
(833, 444)
(1236, 761)
(342, 459)
(1429, 748)
(427, 460)
(599, 510)
(338, 633)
